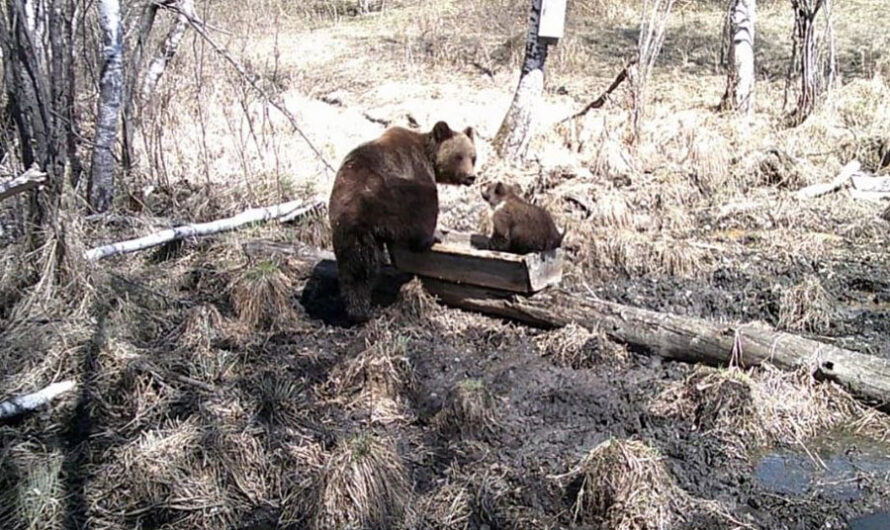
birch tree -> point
(514, 136)
(110, 88)
(740, 78)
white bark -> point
(515, 133)
(20, 404)
(817, 190)
(28, 180)
(289, 210)
(740, 83)
(514, 137)
(159, 64)
(110, 88)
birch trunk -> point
(168, 50)
(20, 404)
(110, 85)
(285, 212)
(740, 80)
(514, 136)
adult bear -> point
(385, 193)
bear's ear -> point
(441, 132)
(515, 189)
(499, 188)
(470, 132)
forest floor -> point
(208, 396)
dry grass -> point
(573, 346)
(32, 495)
(741, 409)
(806, 307)
(624, 485)
(627, 253)
(470, 410)
(261, 296)
(451, 507)
(363, 485)
(202, 327)
(380, 378)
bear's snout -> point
(469, 180)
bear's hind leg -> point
(358, 265)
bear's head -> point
(495, 192)
(454, 155)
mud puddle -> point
(836, 468)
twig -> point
(156, 372)
(199, 26)
(18, 405)
(600, 101)
(289, 210)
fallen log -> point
(666, 335)
(29, 180)
(286, 212)
(817, 190)
(20, 404)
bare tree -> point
(37, 44)
(740, 78)
(514, 136)
(156, 68)
(110, 89)
(653, 21)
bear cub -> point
(385, 194)
(519, 227)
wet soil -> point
(549, 416)
(859, 291)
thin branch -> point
(600, 101)
(199, 27)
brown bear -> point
(519, 226)
(385, 193)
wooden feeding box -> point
(464, 259)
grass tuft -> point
(625, 485)
(363, 485)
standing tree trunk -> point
(740, 79)
(813, 71)
(514, 136)
(36, 41)
(110, 84)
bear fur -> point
(385, 193)
(518, 226)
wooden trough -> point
(464, 259)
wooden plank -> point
(462, 258)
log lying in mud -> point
(682, 338)
(670, 336)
